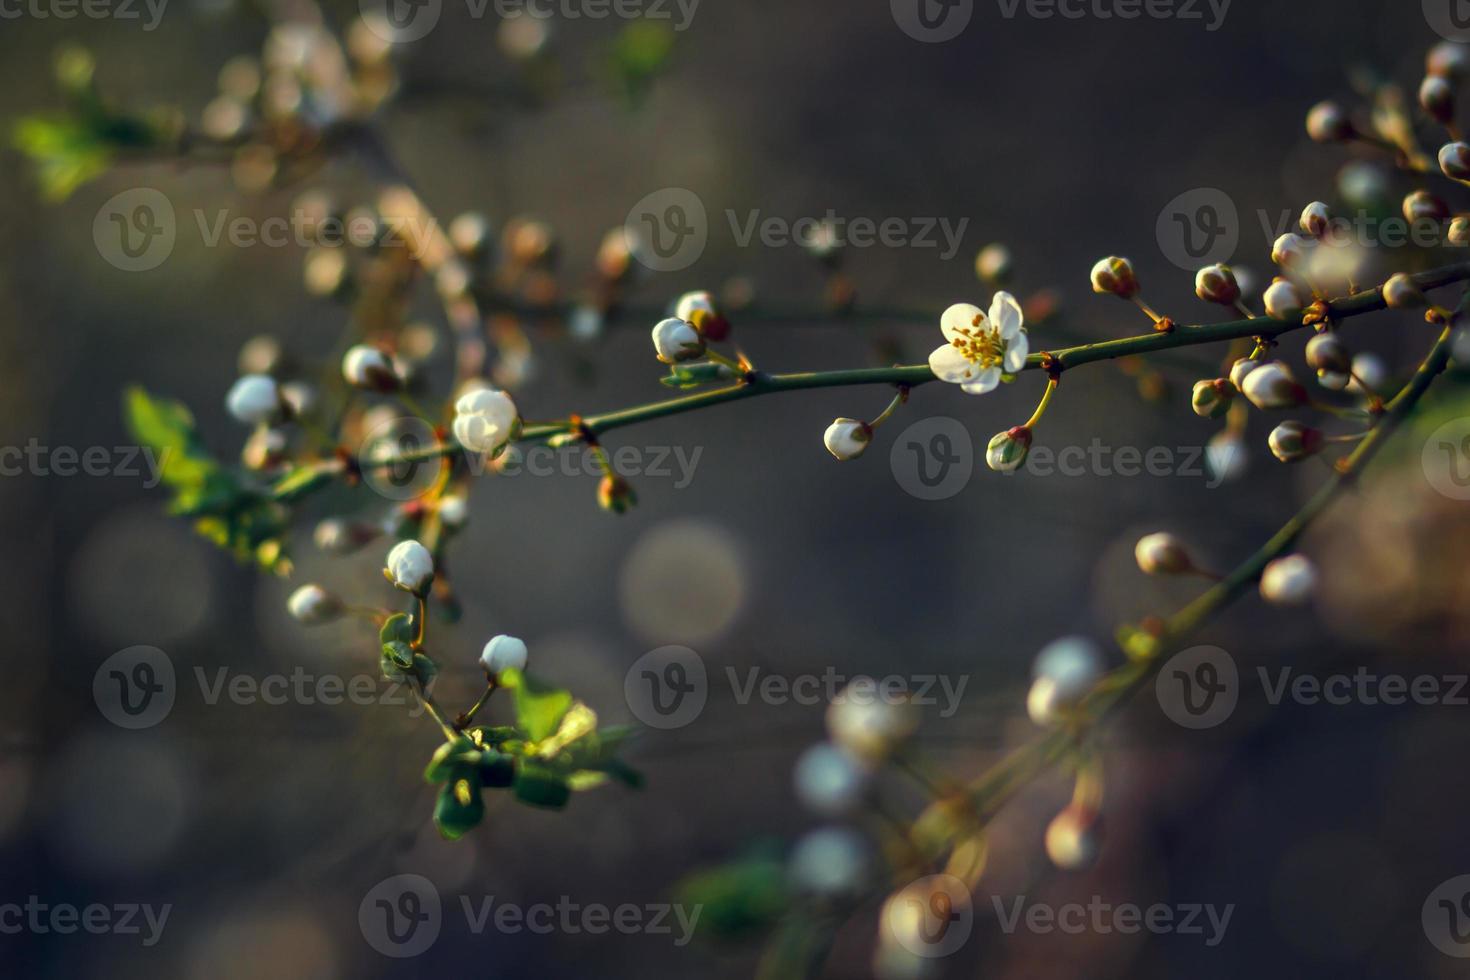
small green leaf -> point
(459, 808)
(450, 756)
(739, 899)
(398, 628)
(540, 707)
(541, 786)
(497, 770)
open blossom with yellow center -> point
(980, 349)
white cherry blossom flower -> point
(979, 349)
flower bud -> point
(503, 653)
(1459, 233)
(1328, 122)
(484, 420)
(312, 604)
(1292, 441)
(1115, 275)
(1241, 368)
(1217, 284)
(410, 567)
(368, 367)
(1284, 300)
(1437, 96)
(1315, 219)
(1272, 386)
(1289, 581)
(1074, 837)
(830, 781)
(469, 233)
(254, 399)
(700, 310)
(339, 537)
(1370, 371)
(1401, 292)
(325, 270)
(1454, 160)
(993, 265)
(866, 722)
(676, 340)
(847, 438)
(1064, 672)
(265, 449)
(1448, 60)
(1291, 250)
(1007, 450)
(1212, 399)
(1225, 456)
(261, 355)
(453, 511)
(616, 494)
(1162, 554)
(1327, 352)
(832, 862)
(299, 396)
(1424, 206)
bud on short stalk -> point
(339, 537)
(1217, 284)
(1315, 220)
(312, 604)
(615, 494)
(1074, 838)
(1437, 96)
(485, 420)
(1284, 300)
(868, 724)
(1212, 399)
(1291, 251)
(1162, 554)
(847, 438)
(503, 653)
(1292, 441)
(369, 368)
(1401, 292)
(453, 511)
(676, 340)
(1370, 371)
(1272, 386)
(410, 567)
(1330, 358)
(1007, 450)
(1241, 368)
(1289, 581)
(254, 399)
(1454, 160)
(1424, 206)
(1115, 275)
(1065, 672)
(700, 310)
(1328, 122)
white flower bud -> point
(1162, 554)
(1212, 399)
(1292, 441)
(1289, 581)
(368, 367)
(1291, 250)
(1369, 370)
(1401, 292)
(1114, 274)
(847, 438)
(1284, 300)
(1007, 451)
(868, 723)
(1315, 219)
(993, 265)
(312, 604)
(1225, 456)
(830, 781)
(700, 310)
(1328, 122)
(1073, 838)
(1272, 386)
(1217, 284)
(1437, 96)
(832, 861)
(340, 537)
(676, 340)
(1459, 233)
(1064, 672)
(411, 567)
(254, 399)
(1448, 60)
(469, 233)
(1241, 368)
(484, 420)
(454, 511)
(1424, 206)
(503, 653)
(1327, 352)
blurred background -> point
(264, 826)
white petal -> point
(958, 316)
(987, 380)
(1016, 350)
(948, 364)
(1006, 314)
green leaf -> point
(740, 899)
(459, 808)
(540, 707)
(540, 785)
(398, 628)
(451, 756)
(497, 770)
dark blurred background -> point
(264, 826)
